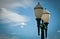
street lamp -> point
(45, 17)
(42, 15)
(38, 13)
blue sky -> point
(17, 19)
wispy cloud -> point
(13, 33)
(12, 18)
(15, 3)
(58, 31)
(7, 37)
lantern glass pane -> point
(38, 13)
(46, 17)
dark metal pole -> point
(38, 24)
(42, 33)
(46, 32)
(42, 30)
(46, 25)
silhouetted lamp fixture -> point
(38, 13)
(41, 15)
(45, 17)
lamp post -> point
(41, 15)
(38, 13)
(45, 17)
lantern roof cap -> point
(46, 11)
(38, 6)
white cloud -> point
(14, 37)
(22, 26)
(58, 31)
(15, 3)
(12, 18)
(1, 37)
(7, 37)
(13, 33)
